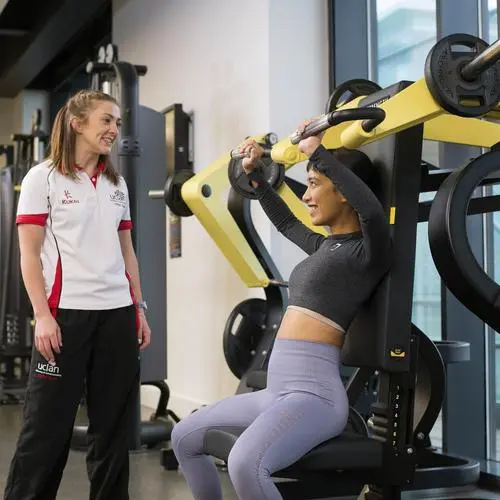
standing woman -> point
(81, 274)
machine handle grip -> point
(157, 194)
(371, 116)
(236, 155)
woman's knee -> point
(244, 467)
(186, 439)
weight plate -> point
(356, 87)
(242, 334)
(173, 196)
(273, 173)
(444, 79)
(449, 242)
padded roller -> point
(449, 244)
(453, 351)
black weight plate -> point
(173, 196)
(446, 84)
(449, 242)
(273, 173)
(240, 341)
(356, 87)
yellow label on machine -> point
(397, 353)
(392, 215)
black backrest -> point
(379, 336)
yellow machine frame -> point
(411, 106)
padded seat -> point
(347, 451)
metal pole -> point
(482, 62)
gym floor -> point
(149, 480)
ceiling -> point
(42, 43)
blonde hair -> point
(63, 136)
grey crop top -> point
(341, 271)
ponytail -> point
(62, 143)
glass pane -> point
(492, 33)
(496, 276)
(406, 31)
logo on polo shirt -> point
(118, 198)
(68, 199)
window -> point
(406, 31)
(491, 31)
(495, 227)
(490, 34)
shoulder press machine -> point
(389, 125)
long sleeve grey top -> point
(341, 270)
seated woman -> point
(305, 402)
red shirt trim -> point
(55, 294)
(125, 224)
(37, 219)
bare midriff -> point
(300, 325)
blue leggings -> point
(304, 404)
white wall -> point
(298, 83)
(229, 62)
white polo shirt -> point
(83, 266)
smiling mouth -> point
(108, 141)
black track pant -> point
(99, 352)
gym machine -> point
(253, 323)
(140, 158)
(16, 316)
(455, 103)
(7, 150)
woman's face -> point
(322, 198)
(100, 129)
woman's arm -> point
(283, 218)
(30, 243)
(48, 338)
(132, 269)
(373, 221)
(275, 208)
(131, 264)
